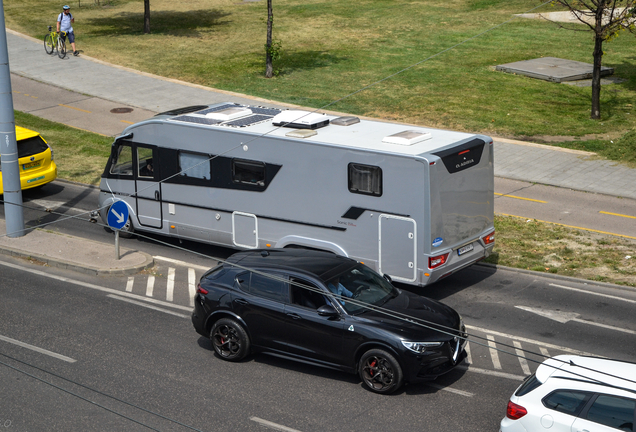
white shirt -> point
(65, 22)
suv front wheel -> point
(380, 371)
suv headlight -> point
(420, 347)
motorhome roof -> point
(317, 128)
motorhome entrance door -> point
(398, 248)
(148, 189)
(245, 230)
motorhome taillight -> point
(489, 239)
(437, 261)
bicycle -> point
(54, 41)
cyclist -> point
(64, 21)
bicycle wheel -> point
(61, 48)
(48, 44)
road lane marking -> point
(150, 285)
(95, 287)
(530, 341)
(271, 425)
(142, 304)
(493, 373)
(521, 198)
(544, 352)
(78, 109)
(469, 357)
(450, 389)
(565, 317)
(170, 284)
(126, 121)
(593, 293)
(569, 226)
(37, 349)
(494, 354)
(129, 284)
(522, 358)
(192, 285)
(183, 263)
(617, 214)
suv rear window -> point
(567, 401)
(31, 146)
(530, 384)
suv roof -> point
(594, 370)
(323, 265)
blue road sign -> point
(118, 215)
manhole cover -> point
(121, 110)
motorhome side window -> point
(248, 172)
(194, 165)
(122, 162)
(144, 162)
(365, 179)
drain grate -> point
(121, 110)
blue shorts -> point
(71, 36)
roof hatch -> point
(408, 137)
(298, 119)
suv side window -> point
(567, 401)
(306, 294)
(269, 287)
(613, 411)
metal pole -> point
(10, 167)
(117, 244)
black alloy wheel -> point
(230, 340)
(380, 371)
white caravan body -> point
(414, 203)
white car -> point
(575, 394)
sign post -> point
(117, 218)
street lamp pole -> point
(10, 167)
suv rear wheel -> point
(230, 340)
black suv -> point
(329, 310)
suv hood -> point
(430, 312)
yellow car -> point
(36, 160)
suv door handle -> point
(241, 301)
(294, 316)
(156, 195)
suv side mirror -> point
(328, 311)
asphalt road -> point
(113, 356)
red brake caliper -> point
(372, 364)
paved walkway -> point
(96, 81)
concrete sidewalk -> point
(74, 253)
(90, 81)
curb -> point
(85, 269)
(488, 266)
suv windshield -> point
(366, 286)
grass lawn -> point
(331, 49)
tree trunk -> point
(146, 16)
(269, 68)
(596, 71)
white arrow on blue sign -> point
(117, 215)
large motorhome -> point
(414, 203)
